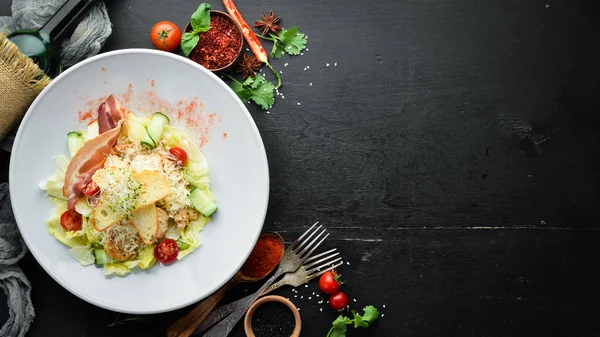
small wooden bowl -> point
(272, 298)
(213, 12)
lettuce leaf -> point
(54, 227)
(53, 186)
(146, 257)
(120, 268)
(191, 235)
(82, 207)
(83, 254)
(195, 169)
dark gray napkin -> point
(12, 280)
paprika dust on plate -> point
(219, 46)
(264, 257)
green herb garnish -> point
(289, 40)
(340, 324)
(200, 23)
(256, 89)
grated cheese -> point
(124, 237)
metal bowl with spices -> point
(221, 46)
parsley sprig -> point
(339, 327)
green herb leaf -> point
(358, 321)
(189, 42)
(256, 89)
(337, 331)
(243, 93)
(289, 40)
(262, 93)
(371, 314)
(342, 320)
(339, 326)
(201, 19)
(278, 50)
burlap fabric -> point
(21, 80)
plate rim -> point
(35, 251)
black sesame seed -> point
(273, 319)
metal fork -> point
(305, 273)
(292, 259)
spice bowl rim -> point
(240, 51)
(272, 298)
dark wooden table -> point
(452, 152)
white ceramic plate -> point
(151, 80)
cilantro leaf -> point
(263, 92)
(278, 50)
(243, 93)
(256, 89)
(339, 326)
(188, 42)
(289, 40)
(358, 321)
(338, 331)
(342, 321)
(201, 19)
(371, 314)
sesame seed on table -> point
(449, 147)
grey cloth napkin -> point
(87, 39)
(12, 280)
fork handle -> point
(186, 325)
(224, 310)
(225, 326)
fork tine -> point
(307, 266)
(295, 243)
(319, 255)
(319, 273)
(303, 242)
(324, 265)
(304, 256)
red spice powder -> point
(224, 136)
(188, 114)
(219, 45)
(264, 257)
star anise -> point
(248, 66)
(268, 23)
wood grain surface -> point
(451, 147)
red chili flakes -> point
(218, 46)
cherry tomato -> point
(166, 251)
(338, 301)
(71, 221)
(165, 36)
(91, 189)
(330, 282)
(179, 154)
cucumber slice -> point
(102, 257)
(75, 142)
(202, 202)
(157, 126)
(137, 132)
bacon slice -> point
(92, 155)
(109, 114)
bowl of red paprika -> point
(212, 39)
